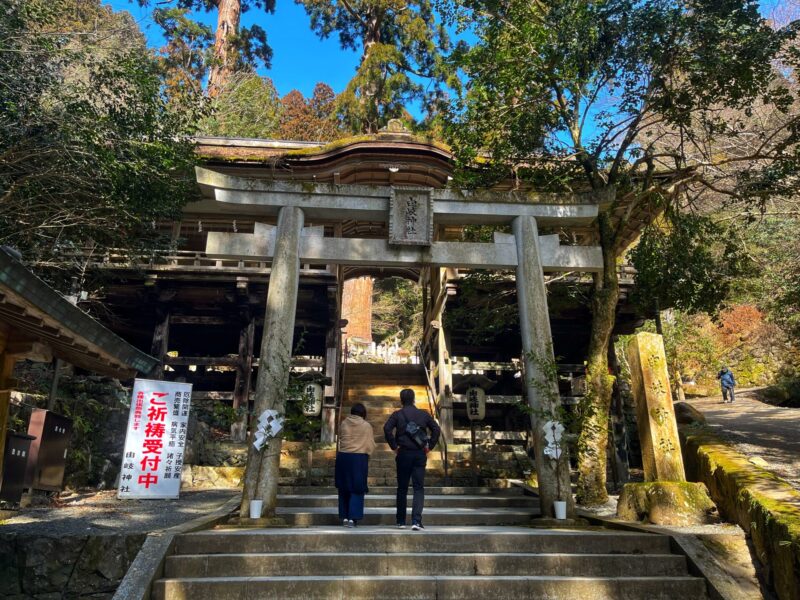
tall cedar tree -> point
(235, 48)
(91, 154)
(400, 44)
(568, 93)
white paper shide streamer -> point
(270, 424)
(553, 431)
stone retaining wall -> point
(764, 505)
(64, 567)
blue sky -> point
(300, 59)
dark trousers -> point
(725, 392)
(351, 506)
(410, 465)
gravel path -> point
(101, 513)
(768, 435)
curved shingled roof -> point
(38, 313)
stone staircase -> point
(470, 549)
(378, 387)
(479, 541)
(444, 506)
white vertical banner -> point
(156, 437)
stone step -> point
(433, 490)
(431, 500)
(432, 478)
(424, 563)
(429, 587)
(379, 401)
(433, 516)
(389, 539)
(374, 472)
(383, 389)
(383, 368)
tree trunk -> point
(593, 439)
(224, 62)
(371, 88)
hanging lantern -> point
(312, 399)
(476, 403)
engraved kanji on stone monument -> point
(655, 415)
(410, 217)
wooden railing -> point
(340, 390)
(176, 261)
(432, 400)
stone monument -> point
(666, 498)
(655, 416)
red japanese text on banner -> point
(154, 445)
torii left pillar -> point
(261, 473)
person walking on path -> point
(406, 432)
(356, 443)
(727, 382)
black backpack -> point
(415, 433)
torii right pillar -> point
(540, 373)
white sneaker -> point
(351, 523)
(401, 526)
(417, 527)
(345, 523)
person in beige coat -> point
(356, 443)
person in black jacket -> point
(411, 457)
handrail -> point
(429, 386)
(340, 391)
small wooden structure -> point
(38, 323)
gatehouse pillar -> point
(445, 384)
(541, 378)
(261, 474)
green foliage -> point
(553, 63)
(697, 345)
(218, 415)
(247, 106)
(397, 311)
(299, 427)
(248, 45)
(185, 57)
(92, 153)
(688, 263)
(773, 244)
(400, 44)
(487, 306)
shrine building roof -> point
(44, 324)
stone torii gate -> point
(411, 214)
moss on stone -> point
(763, 504)
(337, 144)
(666, 503)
